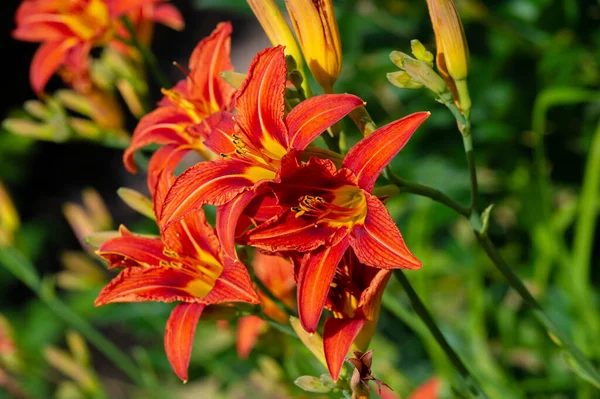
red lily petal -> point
(208, 60)
(117, 8)
(219, 139)
(194, 237)
(430, 389)
(161, 126)
(145, 284)
(213, 182)
(314, 278)
(131, 250)
(234, 285)
(286, 232)
(168, 15)
(370, 299)
(370, 155)
(179, 336)
(378, 242)
(47, 59)
(164, 161)
(338, 335)
(227, 220)
(260, 100)
(248, 330)
(310, 118)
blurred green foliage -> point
(535, 86)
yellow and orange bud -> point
(9, 218)
(275, 26)
(452, 57)
(317, 31)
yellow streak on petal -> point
(257, 173)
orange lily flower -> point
(69, 29)
(183, 119)
(277, 274)
(355, 300)
(253, 143)
(325, 211)
(186, 264)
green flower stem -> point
(424, 314)
(23, 270)
(468, 145)
(147, 55)
(426, 191)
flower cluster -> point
(309, 214)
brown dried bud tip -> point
(362, 372)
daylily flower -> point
(277, 274)
(69, 29)
(253, 143)
(186, 264)
(430, 389)
(355, 301)
(183, 119)
(325, 211)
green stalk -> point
(426, 317)
(23, 270)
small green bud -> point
(424, 74)
(137, 201)
(311, 384)
(421, 53)
(235, 79)
(403, 80)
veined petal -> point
(164, 161)
(370, 155)
(314, 278)
(131, 250)
(219, 139)
(208, 60)
(338, 336)
(156, 283)
(168, 15)
(286, 232)
(260, 102)
(192, 236)
(248, 330)
(47, 59)
(164, 125)
(310, 118)
(179, 336)
(227, 220)
(370, 299)
(378, 242)
(213, 182)
(234, 285)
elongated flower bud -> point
(317, 31)
(275, 26)
(452, 57)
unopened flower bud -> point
(275, 26)
(403, 80)
(420, 52)
(452, 58)
(419, 72)
(317, 32)
(309, 383)
(137, 201)
(235, 79)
